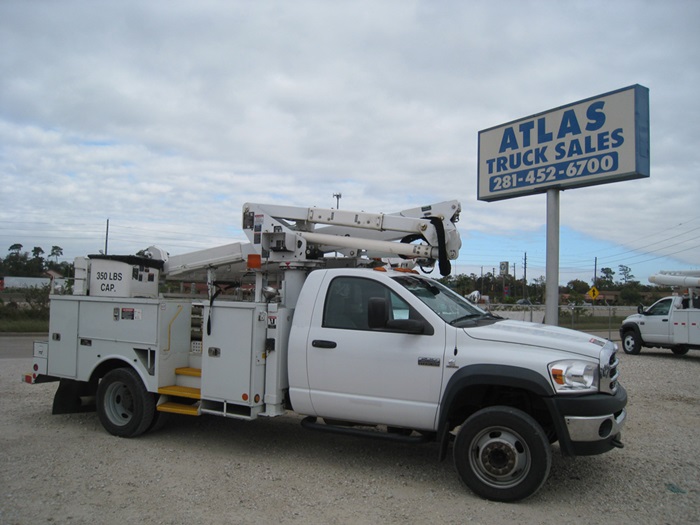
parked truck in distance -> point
(323, 320)
(672, 322)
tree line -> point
(506, 289)
(19, 263)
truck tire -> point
(631, 342)
(124, 406)
(502, 454)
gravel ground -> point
(67, 469)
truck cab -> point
(672, 322)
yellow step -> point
(188, 371)
(181, 391)
(179, 408)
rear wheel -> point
(680, 350)
(631, 342)
(502, 454)
(124, 406)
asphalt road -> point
(17, 346)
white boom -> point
(688, 278)
(283, 234)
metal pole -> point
(552, 272)
(106, 236)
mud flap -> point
(74, 396)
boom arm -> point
(290, 234)
(285, 233)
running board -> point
(310, 423)
(178, 408)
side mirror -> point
(410, 326)
(640, 309)
(378, 318)
(377, 312)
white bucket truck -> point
(672, 322)
(317, 324)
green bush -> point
(30, 316)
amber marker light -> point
(558, 376)
(254, 261)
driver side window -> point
(347, 303)
(660, 308)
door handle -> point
(664, 320)
(320, 343)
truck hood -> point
(540, 336)
(634, 318)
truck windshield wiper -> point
(464, 318)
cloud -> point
(167, 116)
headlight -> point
(574, 376)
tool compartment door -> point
(233, 359)
(63, 337)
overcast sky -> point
(165, 117)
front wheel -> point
(631, 342)
(502, 454)
(124, 406)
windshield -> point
(451, 307)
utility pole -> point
(106, 236)
(595, 271)
(525, 277)
(337, 200)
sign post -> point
(594, 141)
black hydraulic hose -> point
(211, 303)
(443, 260)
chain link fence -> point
(603, 320)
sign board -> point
(503, 267)
(594, 141)
(593, 293)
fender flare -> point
(631, 326)
(634, 327)
(484, 374)
(110, 362)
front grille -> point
(609, 368)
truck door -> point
(657, 322)
(369, 375)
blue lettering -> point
(542, 134)
(603, 141)
(508, 141)
(489, 163)
(618, 139)
(589, 147)
(501, 164)
(569, 124)
(560, 148)
(575, 148)
(595, 115)
(527, 158)
(540, 155)
(514, 160)
(525, 129)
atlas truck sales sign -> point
(595, 141)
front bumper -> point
(588, 425)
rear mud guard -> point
(73, 397)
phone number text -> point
(555, 172)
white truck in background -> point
(314, 322)
(672, 322)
